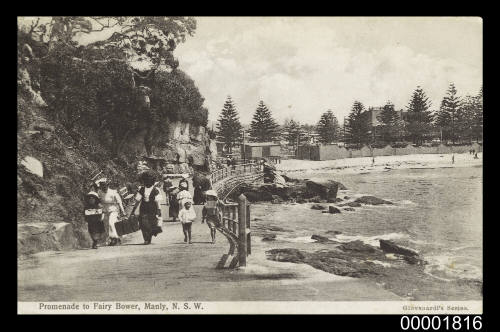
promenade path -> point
(171, 270)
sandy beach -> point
(382, 163)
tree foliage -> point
(392, 126)
(328, 127)
(419, 118)
(450, 118)
(294, 129)
(263, 127)
(94, 87)
(228, 125)
(357, 126)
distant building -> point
(374, 113)
(258, 150)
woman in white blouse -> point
(112, 206)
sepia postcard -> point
(250, 165)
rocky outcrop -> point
(35, 237)
(326, 190)
(393, 248)
(372, 200)
(351, 204)
(333, 209)
(322, 239)
(318, 207)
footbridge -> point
(234, 218)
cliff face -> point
(183, 139)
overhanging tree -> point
(263, 127)
(229, 126)
(328, 127)
(419, 118)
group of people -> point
(104, 205)
(473, 152)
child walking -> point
(187, 216)
(210, 213)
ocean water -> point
(438, 212)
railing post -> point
(242, 236)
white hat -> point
(211, 193)
(93, 193)
(101, 180)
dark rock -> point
(349, 209)
(351, 204)
(316, 199)
(321, 239)
(269, 237)
(258, 196)
(340, 185)
(333, 232)
(347, 197)
(333, 209)
(286, 255)
(318, 207)
(301, 201)
(357, 246)
(325, 191)
(371, 200)
(334, 200)
(289, 179)
(414, 260)
(276, 199)
(391, 247)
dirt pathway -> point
(171, 270)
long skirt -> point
(96, 229)
(111, 218)
(173, 208)
(149, 226)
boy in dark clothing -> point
(93, 216)
(210, 212)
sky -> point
(303, 66)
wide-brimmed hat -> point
(211, 193)
(101, 180)
(93, 193)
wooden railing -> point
(234, 218)
(229, 171)
(234, 224)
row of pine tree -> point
(457, 120)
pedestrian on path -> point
(148, 198)
(210, 213)
(93, 217)
(112, 206)
(187, 215)
(184, 195)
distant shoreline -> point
(382, 163)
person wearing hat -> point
(210, 213)
(171, 192)
(187, 215)
(149, 198)
(184, 195)
(112, 206)
(93, 217)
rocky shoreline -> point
(392, 264)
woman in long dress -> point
(112, 206)
(149, 198)
(173, 206)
